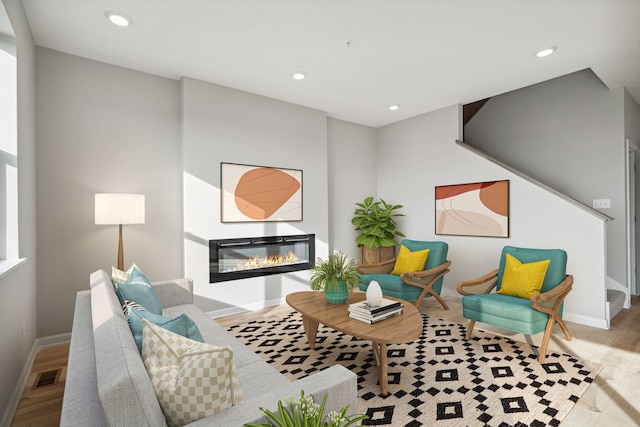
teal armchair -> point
(529, 317)
(413, 286)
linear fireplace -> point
(231, 259)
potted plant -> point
(378, 229)
(305, 412)
(337, 275)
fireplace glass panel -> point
(241, 258)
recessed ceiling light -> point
(393, 107)
(118, 18)
(546, 52)
(299, 75)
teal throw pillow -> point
(138, 289)
(181, 325)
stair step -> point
(616, 300)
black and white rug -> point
(439, 379)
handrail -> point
(526, 177)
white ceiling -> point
(360, 55)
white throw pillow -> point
(119, 276)
(192, 380)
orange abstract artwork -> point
(256, 193)
(478, 209)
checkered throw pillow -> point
(192, 380)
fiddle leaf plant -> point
(376, 224)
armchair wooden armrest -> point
(481, 285)
(426, 277)
(382, 267)
(549, 302)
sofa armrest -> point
(81, 403)
(174, 292)
(337, 381)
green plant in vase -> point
(376, 224)
(337, 275)
(305, 412)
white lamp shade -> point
(119, 208)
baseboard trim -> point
(38, 344)
(586, 320)
(12, 407)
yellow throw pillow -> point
(408, 261)
(522, 280)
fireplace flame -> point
(267, 261)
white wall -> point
(417, 154)
(569, 134)
(18, 287)
(226, 125)
(102, 129)
(352, 177)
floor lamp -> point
(119, 208)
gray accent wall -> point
(221, 124)
(18, 287)
(352, 177)
(567, 133)
(102, 129)
(418, 154)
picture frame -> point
(251, 193)
(474, 209)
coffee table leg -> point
(311, 329)
(380, 358)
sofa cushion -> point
(138, 289)
(192, 380)
(181, 325)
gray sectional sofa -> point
(107, 383)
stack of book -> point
(365, 313)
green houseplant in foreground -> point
(305, 412)
(337, 275)
(376, 224)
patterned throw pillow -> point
(192, 380)
(128, 305)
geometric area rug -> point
(438, 380)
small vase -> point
(374, 294)
(336, 296)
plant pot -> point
(336, 296)
(373, 256)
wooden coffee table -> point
(400, 329)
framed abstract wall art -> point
(477, 209)
(259, 193)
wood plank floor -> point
(41, 401)
(611, 400)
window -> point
(8, 150)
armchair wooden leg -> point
(440, 300)
(545, 340)
(470, 327)
(564, 328)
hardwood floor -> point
(611, 400)
(41, 401)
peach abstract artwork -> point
(478, 209)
